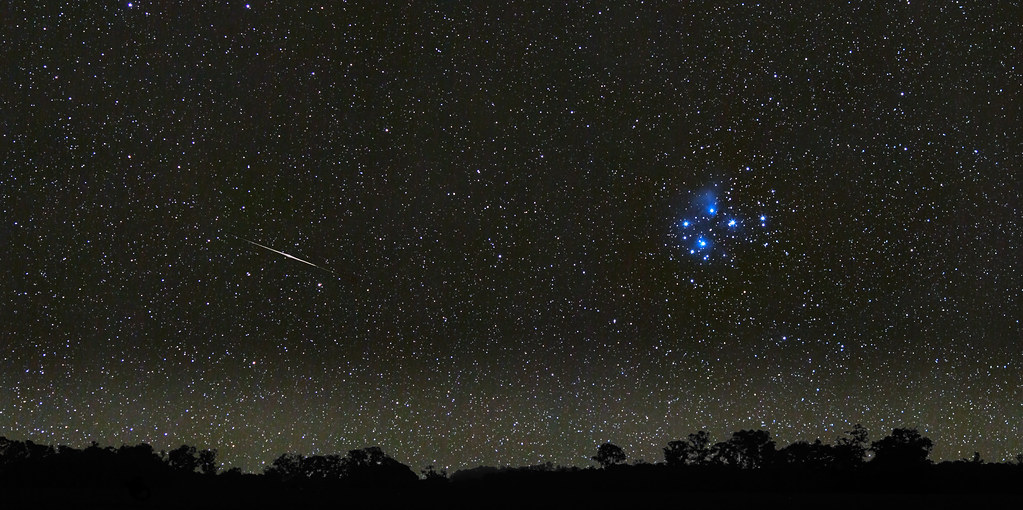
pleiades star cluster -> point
(504, 233)
(711, 231)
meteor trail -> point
(288, 255)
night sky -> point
(504, 234)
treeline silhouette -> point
(750, 461)
(747, 462)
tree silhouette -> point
(609, 454)
(366, 466)
(903, 448)
(140, 454)
(12, 452)
(675, 453)
(286, 467)
(694, 450)
(372, 466)
(322, 467)
(746, 449)
(430, 474)
(803, 454)
(183, 458)
(851, 449)
(900, 463)
(208, 461)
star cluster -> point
(523, 213)
(708, 230)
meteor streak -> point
(288, 255)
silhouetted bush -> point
(609, 454)
(802, 454)
(364, 466)
(694, 451)
(183, 458)
(851, 449)
(746, 449)
(904, 448)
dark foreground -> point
(65, 498)
(747, 471)
(946, 486)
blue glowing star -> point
(685, 223)
(731, 223)
(763, 218)
(711, 210)
(701, 242)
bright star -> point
(731, 223)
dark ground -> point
(370, 498)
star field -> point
(540, 227)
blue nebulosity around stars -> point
(708, 231)
(504, 233)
